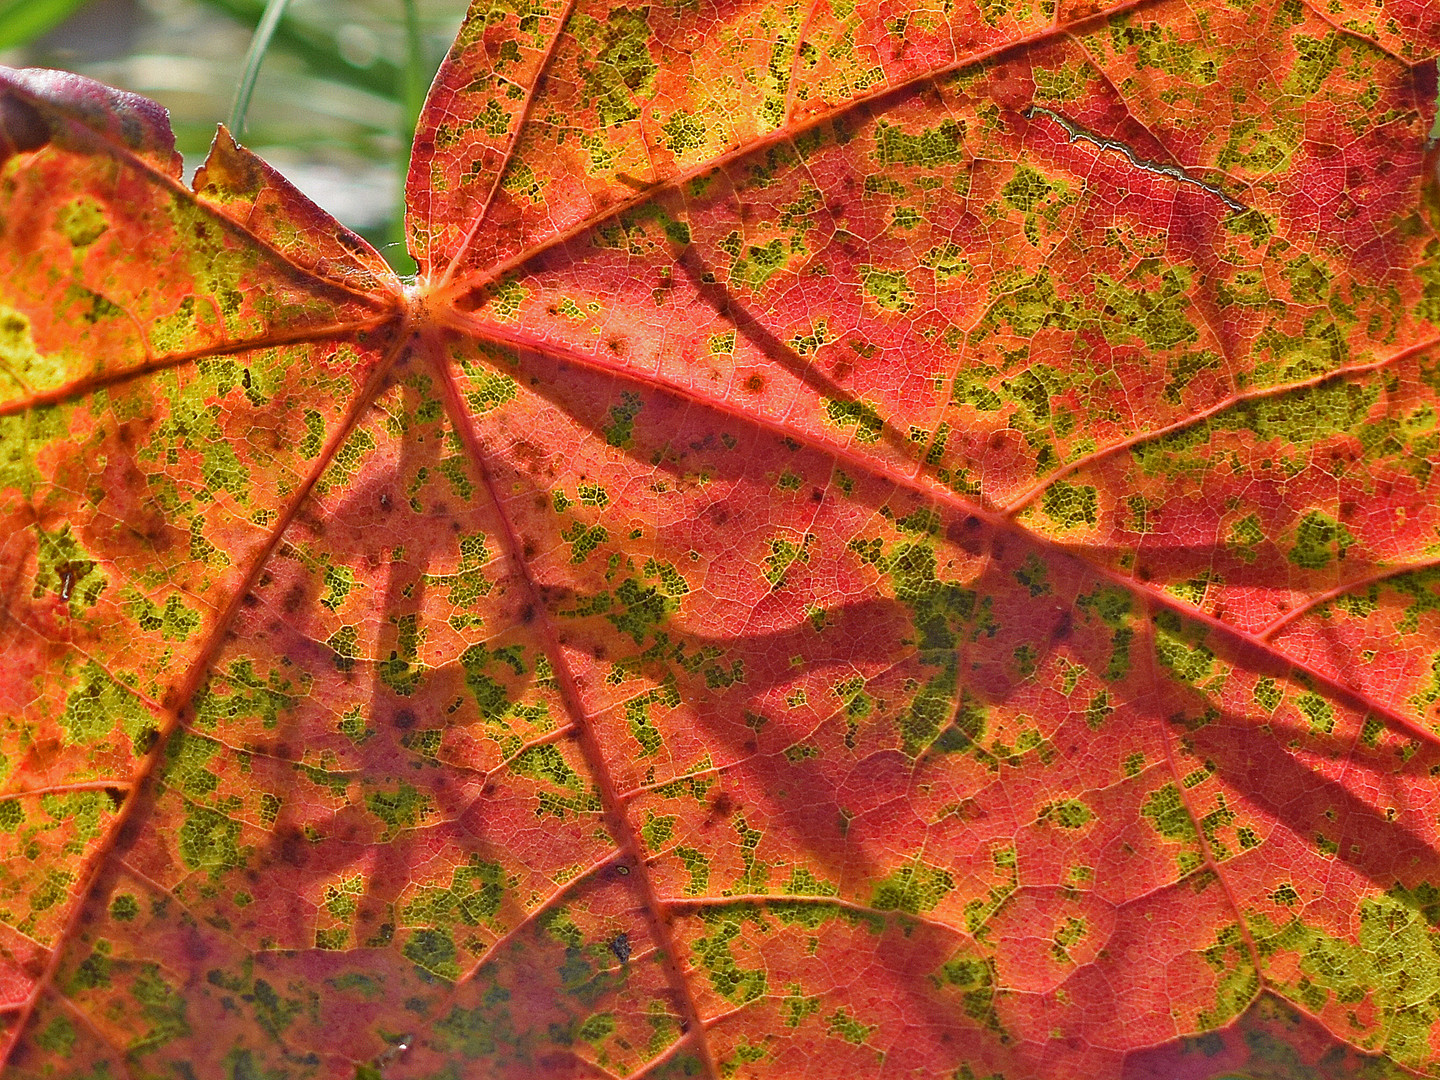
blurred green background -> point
(334, 102)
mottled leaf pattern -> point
(884, 541)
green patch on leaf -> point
(638, 718)
(1245, 536)
(1267, 695)
(1165, 810)
(645, 609)
(617, 67)
(887, 289)
(1318, 712)
(927, 149)
(472, 896)
(784, 554)
(163, 1008)
(434, 951)
(1026, 189)
(913, 889)
(81, 221)
(759, 264)
(620, 431)
(1071, 506)
(67, 570)
(684, 132)
(403, 808)
(1068, 814)
(98, 704)
(842, 1023)
(210, 841)
(713, 954)
(1319, 539)
(860, 415)
(174, 622)
(1179, 649)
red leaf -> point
(881, 542)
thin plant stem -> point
(417, 69)
(414, 75)
(254, 57)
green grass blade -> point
(254, 57)
(22, 21)
(418, 71)
(415, 81)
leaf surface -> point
(883, 541)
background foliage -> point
(334, 107)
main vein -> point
(612, 805)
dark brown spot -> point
(965, 534)
(294, 848)
(755, 384)
(405, 719)
(130, 832)
(722, 805)
(528, 615)
(249, 599)
(294, 599)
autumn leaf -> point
(883, 541)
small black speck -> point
(620, 946)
